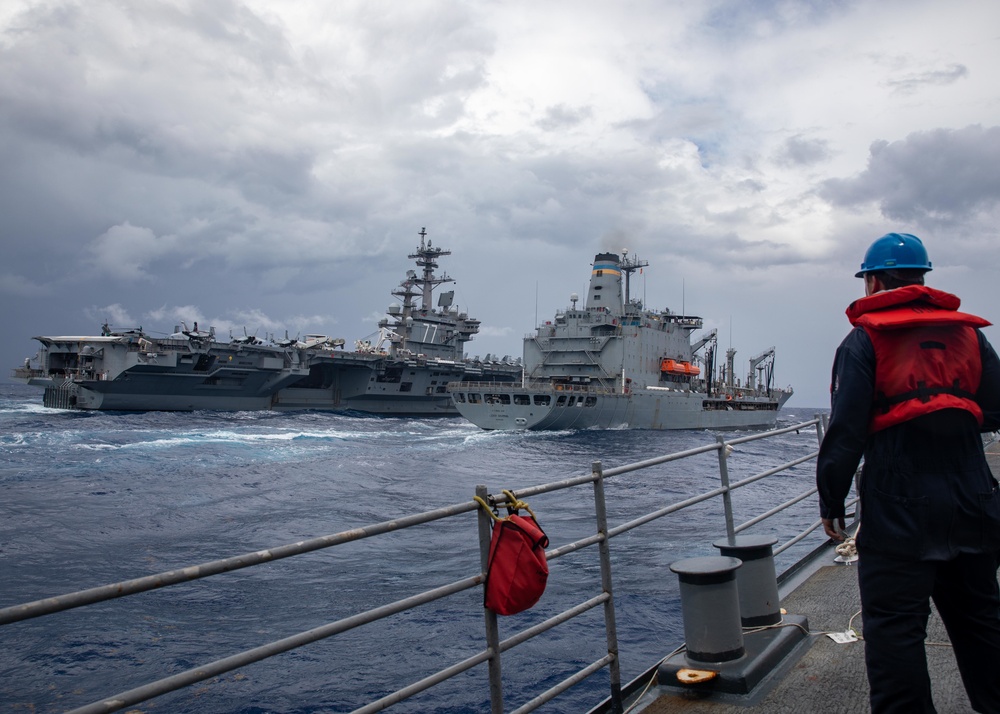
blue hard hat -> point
(895, 251)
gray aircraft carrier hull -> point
(405, 372)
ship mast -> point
(629, 266)
(426, 257)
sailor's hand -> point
(834, 530)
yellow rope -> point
(517, 504)
(513, 503)
(487, 508)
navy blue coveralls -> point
(930, 528)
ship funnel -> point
(606, 284)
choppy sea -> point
(89, 499)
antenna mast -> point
(629, 266)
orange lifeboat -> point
(672, 366)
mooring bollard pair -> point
(722, 594)
(734, 629)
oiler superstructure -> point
(615, 364)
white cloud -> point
(126, 252)
(114, 315)
(178, 316)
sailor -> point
(914, 384)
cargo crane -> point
(764, 365)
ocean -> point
(88, 499)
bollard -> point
(756, 581)
(710, 606)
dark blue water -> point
(88, 499)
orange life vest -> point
(926, 353)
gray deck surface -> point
(829, 677)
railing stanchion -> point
(604, 549)
(490, 617)
(727, 499)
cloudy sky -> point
(269, 165)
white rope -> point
(847, 549)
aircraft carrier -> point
(420, 348)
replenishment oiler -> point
(420, 348)
(615, 364)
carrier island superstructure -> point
(615, 364)
(418, 350)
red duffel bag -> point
(516, 571)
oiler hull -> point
(519, 408)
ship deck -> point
(822, 674)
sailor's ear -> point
(873, 284)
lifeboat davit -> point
(673, 366)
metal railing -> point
(491, 654)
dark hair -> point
(900, 278)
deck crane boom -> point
(763, 363)
(709, 338)
(705, 339)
